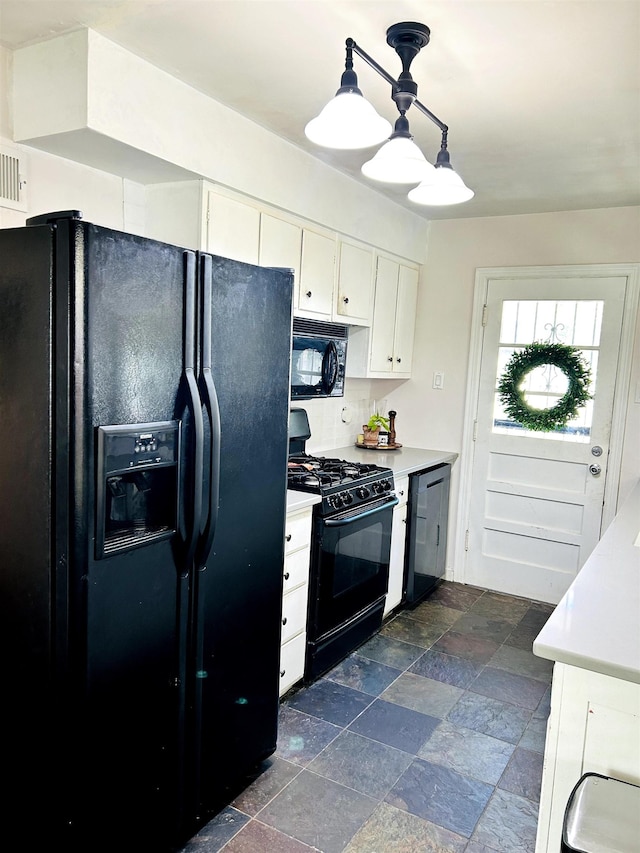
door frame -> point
(620, 397)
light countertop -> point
(596, 626)
(297, 501)
(403, 461)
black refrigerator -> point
(144, 399)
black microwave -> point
(318, 359)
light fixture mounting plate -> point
(409, 35)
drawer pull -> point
(284, 621)
(286, 576)
(308, 294)
(282, 673)
(288, 537)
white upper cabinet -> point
(233, 228)
(317, 275)
(281, 246)
(384, 316)
(406, 305)
(354, 298)
(386, 349)
(336, 278)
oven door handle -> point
(341, 522)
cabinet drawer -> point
(292, 662)
(297, 532)
(294, 613)
(296, 569)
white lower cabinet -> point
(293, 636)
(398, 537)
(594, 727)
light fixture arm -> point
(395, 85)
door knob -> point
(594, 469)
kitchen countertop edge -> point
(596, 624)
(297, 501)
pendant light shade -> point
(443, 186)
(399, 161)
(348, 121)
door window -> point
(571, 322)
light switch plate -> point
(438, 380)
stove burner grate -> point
(320, 473)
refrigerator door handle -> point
(195, 406)
(213, 410)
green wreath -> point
(569, 360)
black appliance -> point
(350, 548)
(141, 536)
(427, 516)
(318, 359)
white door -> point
(536, 499)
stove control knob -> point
(336, 501)
(386, 485)
(347, 498)
(362, 492)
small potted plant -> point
(372, 429)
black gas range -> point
(350, 548)
(342, 484)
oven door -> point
(350, 565)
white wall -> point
(431, 418)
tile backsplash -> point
(336, 421)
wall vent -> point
(13, 181)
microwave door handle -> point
(213, 410)
(330, 367)
(341, 522)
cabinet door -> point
(281, 245)
(317, 274)
(405, 319)
(355, 284)
(384, 314)
(233, 228)
(398, 537)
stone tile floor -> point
(429, 738)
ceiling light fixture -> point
(349, 121)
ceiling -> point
(542, 99)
